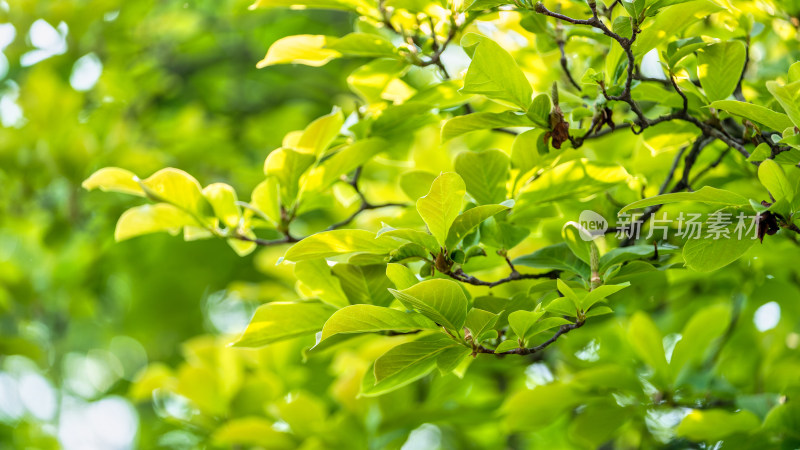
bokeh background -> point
(108, 345)
(141, 85)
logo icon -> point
(591, 225)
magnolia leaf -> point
(178, 188)
(706, 194)
(719, 67)
(789, 98)
(485, 174)
(495, 74)
(442, 301)
(279, 321)
(467, 221)
(483, 121)
(340, 242)
(755, 113)
(317, 276)
(307, 49)
(223, 200)
(370, 318)
(774, 179)
(152, 219)
(440, 207)
(113, 179)
(405, 364)
(319, 134)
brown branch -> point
(561, 43)
(564, 329)
(460, 275)
(364, 206)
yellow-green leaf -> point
(114, 179)
(151, 219)
(440, 207)
(223, 200)
(278, 321)
(307, 49)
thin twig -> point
(463, 277)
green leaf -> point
(527, 149)
(485, 175)
(554, 257)
(624, 254)
(223, 200)
(707, 194)
(370, 318)
(755, 113)
(343, 162)
(521, 322)
(364, 283)
(422, 238)
(634, 8)
(698, 336)
(409, 251)
(318, 277)
(534, 409)
(279, 321)
(709, 254)
(501, 234)
(715, 424)
(364, 44)
(415, 183)
(600, 293)
(789, 98)
(442, 301)
(719, 67)
(479, 321)
(761, 152)
(113, 179)
(307, 49)
(287, 166)
(509, 344)
(774, 179)
(406, 363)
(576, 178)
(401, 276)
(598, 311)
(670, 22)
(495, 74)
(451, 358)
(547, 324)
(250, 432)
(440, 207)
(151, 219)
(483, 121)
(178, 188)
(646, 341)
(372, 79)
(266, 200)
(575, 237)
(569, 293)
(794, 72)
(340, 242)
(467, 221)
(320, 133)
(539, 111)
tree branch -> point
(460, 275)
(564, 329)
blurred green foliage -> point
(106, 345)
